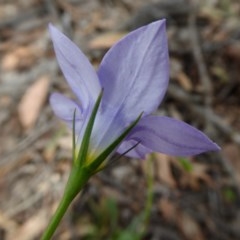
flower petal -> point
(134, 72)
(76, 68)
(170, 136)
(64, 108)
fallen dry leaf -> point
(178, 74)
(164, 172)
(32, 102)
(184, 81)
(106, 40)
(20, 58)
(7, 224)
(168, 209)
(31, 228)
(193, 178)
(189, 227)
(200, 172)
(232, 153)
(233, 50)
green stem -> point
(77, 180)
(149, 202)
(63, 206)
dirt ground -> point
(183, 198)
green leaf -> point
(229, 194)
(186, 164)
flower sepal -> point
(81, 156)
(82, 153)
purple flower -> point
(134, 77)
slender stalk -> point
(79, 174)
(54, 222)
(77, 180)
(149, 202)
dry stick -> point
(197, 52)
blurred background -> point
(165, 198)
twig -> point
(198, 55)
